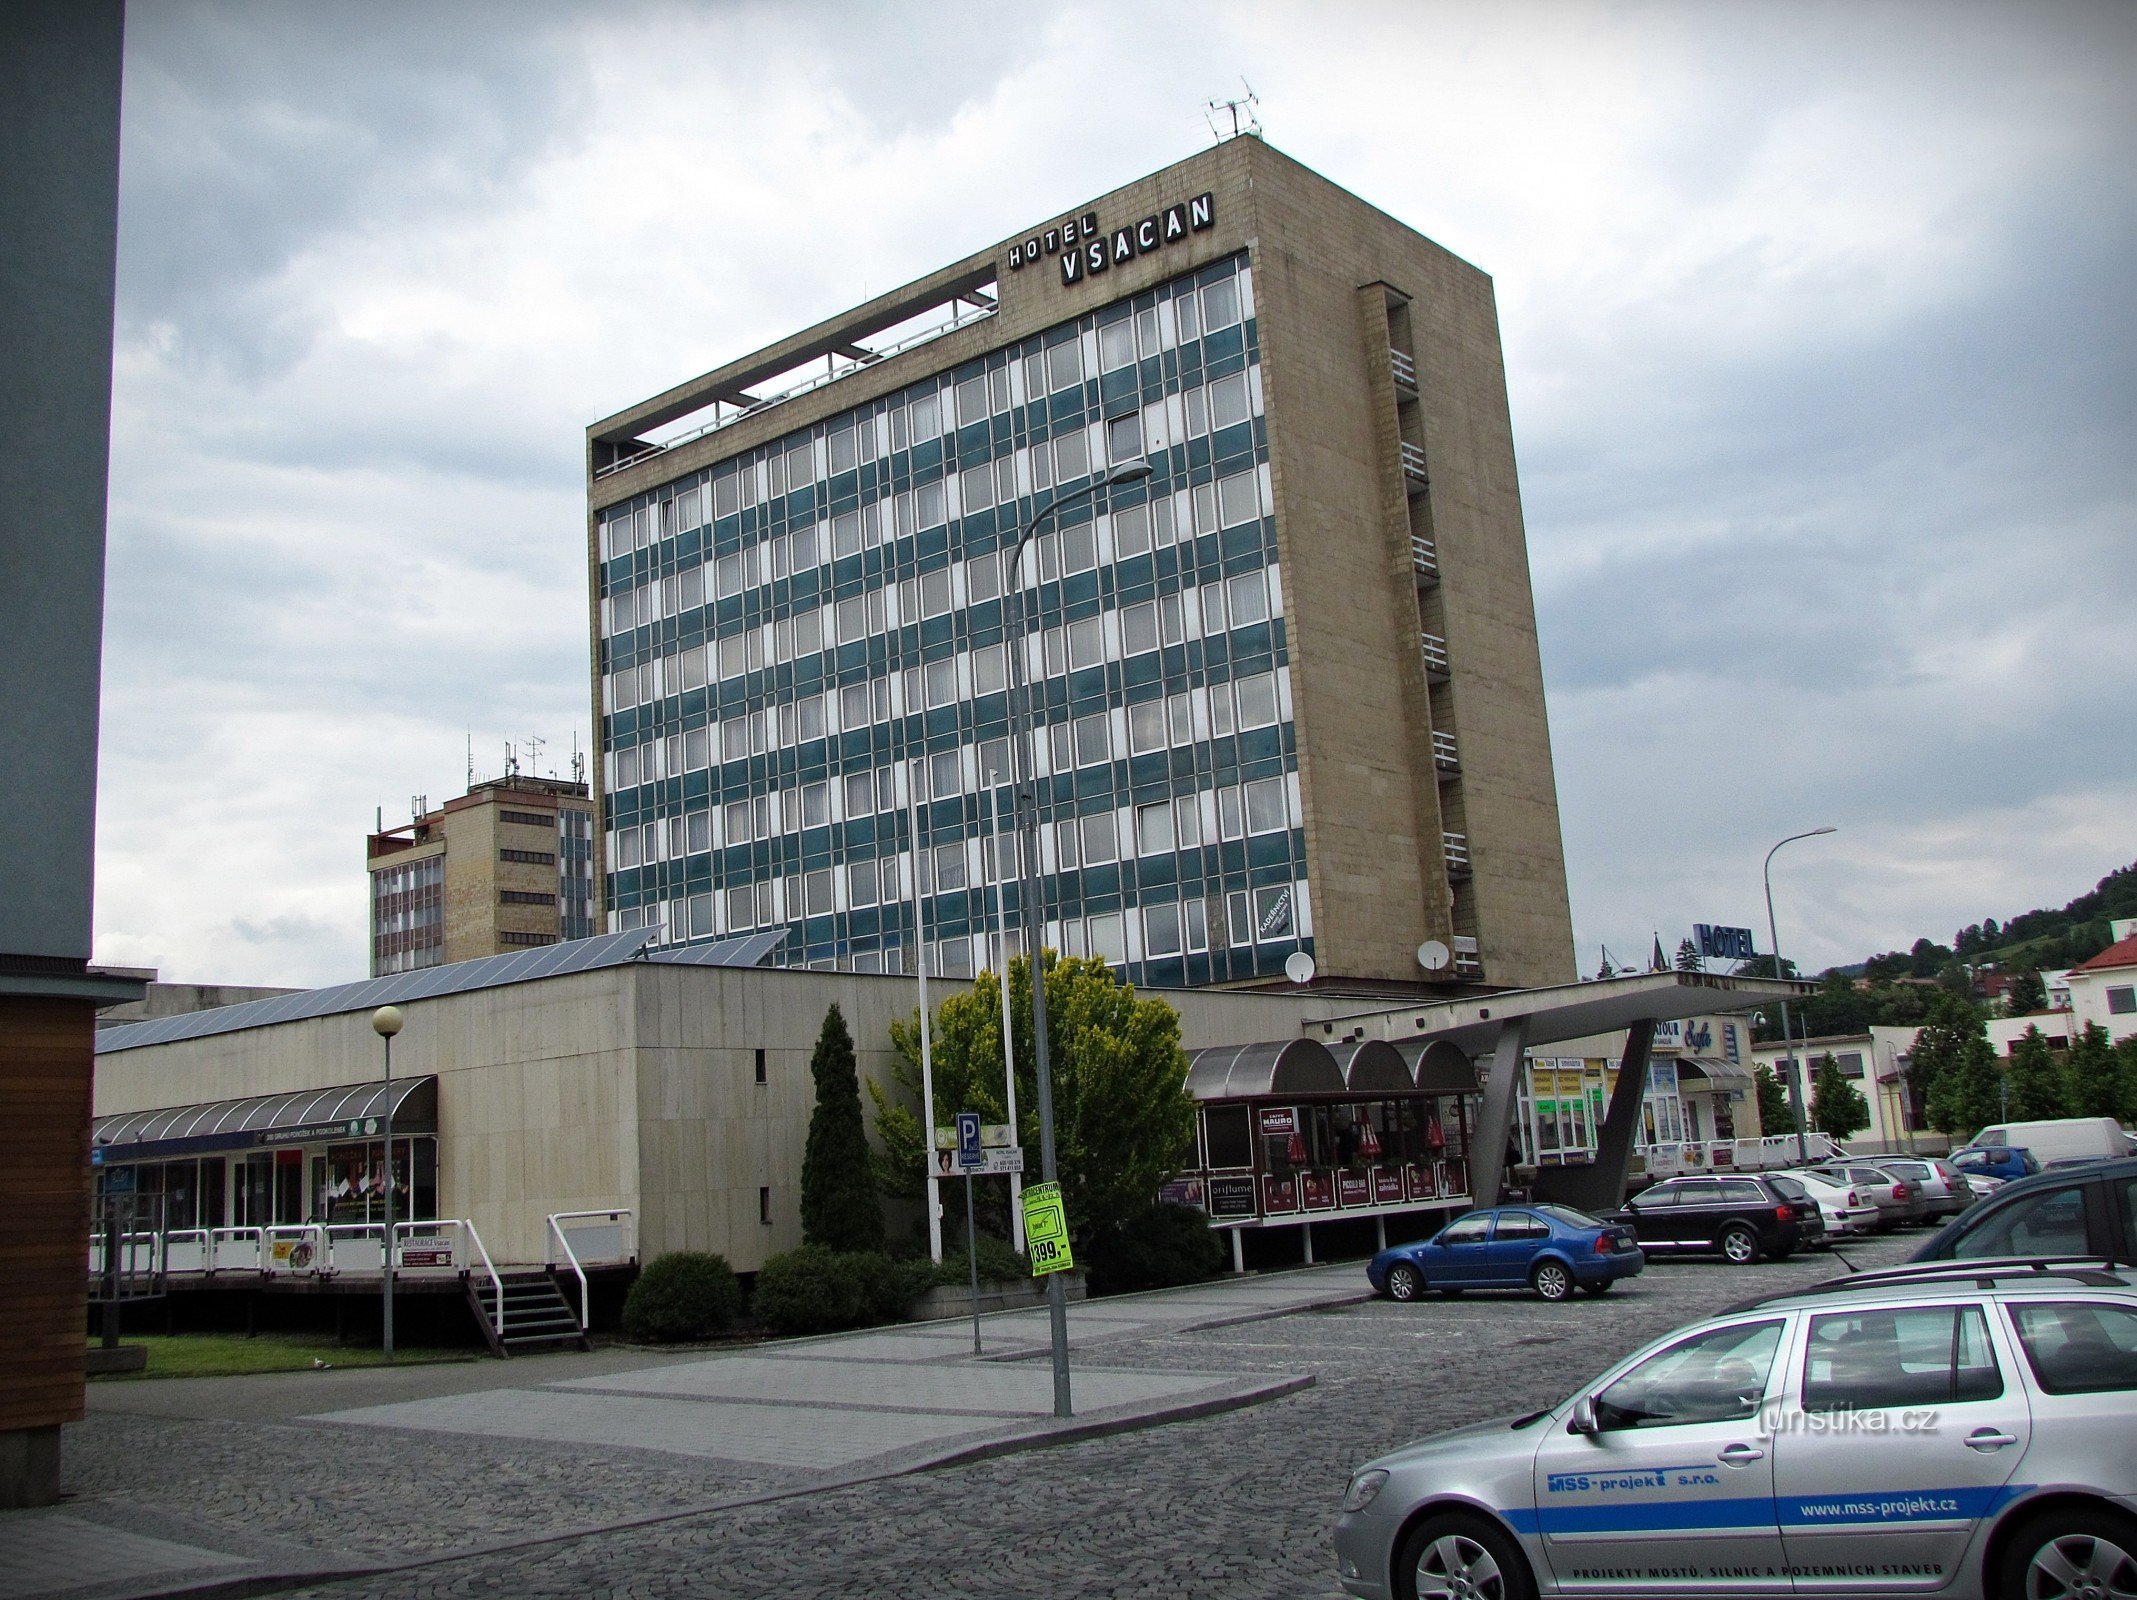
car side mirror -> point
(1583, 1418)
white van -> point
(2062, 1142)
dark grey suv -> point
(2068, 1212)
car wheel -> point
(1458, 1556)
(1599, 1288)
(1551, 1280)
(2060, 1555)
(1405, 1282)
(1740, 1245)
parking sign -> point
(969, 1153)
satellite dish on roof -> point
(1432, 955)
(1298, 967)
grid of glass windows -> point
(803, 647)
(408, 916)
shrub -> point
(814, 1290)
(998, 1263)
(1163, 1246)
(683, 1295)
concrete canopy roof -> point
(1567, 1010)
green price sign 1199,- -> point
(1046, 1238)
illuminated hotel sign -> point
(1083, 249)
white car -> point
(1846, 1210)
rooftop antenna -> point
(471, 757)
(1241, 112)
(578, 759)
(511, 760)
(533, 745)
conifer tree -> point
(1838, 1109)
(2038, 1092)
(2095, 1074)
(839, 1209)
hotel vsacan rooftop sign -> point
(1085, 250)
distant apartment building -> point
(506, 866)
(1287, 679)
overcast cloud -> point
(1819, 335)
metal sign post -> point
(969, 1156)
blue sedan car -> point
(1548, 1248)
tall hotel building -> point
(1289, 681)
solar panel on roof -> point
(459, 977)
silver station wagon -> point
(1928, 1430)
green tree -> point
(1123, 1120)
(1776, 1115)
(2038, 1092)
(1837, 1106)
(1688, 957)
(2094, 1071)
(1940, 1045)
(1968, 1095)
(2026, 995)
(839, 1209)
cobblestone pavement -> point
(1234, 1506)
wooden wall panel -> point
(46, 1070)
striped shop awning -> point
(348, 1111)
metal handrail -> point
(625, 1218)
(315, 1230)
(202, 1236)
(1405, 369)
(497, 1284)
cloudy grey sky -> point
(1819, 333)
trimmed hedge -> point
(1163, 1246)
(683, 1295)
(814, 1290)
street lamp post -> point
(386, 1022)
(1788, 1036)
(1027, 807)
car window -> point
(1520, 1225)
(1662, 1194)
(1742, 1191)
(2076, 1348)
(1567, 1217)
(1715, 1376)
(2128, 1190)
(1701, 1192)
(2047, 1222)
(1919, 1356)
(1790, 1189)
(1468, 1230)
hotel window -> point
(1272, 913)
(1238, 499)
(817, 899)
(727, 575)
(1229, 402)
(1189, 832)
(860, 883)
(700, 832)
(1116, 345)
(949, 864)
(1239, 920)
(929, 507)
(1139, 628)
(941, 681)
(1211, 596)
(1220, 305)
(741, 909)
(815, 805)
(990, 673)
(1265, 806)
(1064, 366)
(1257, 700)
(983, 575)
(926, 413)
(945, 775)
(1107, 943)
(1249, 597)
(1092, 742)
(1124, 438)
(690, 584)
(1099, 840)
(953, 958)
(1180, 710)
(935, 592)
(1086, 642)
(1131, 532)
(1146, 727)
(1079, 547)
(1161, 930)
(1072, 456)
(1154, 835)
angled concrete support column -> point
(1502, 1082)
(1621, 1123)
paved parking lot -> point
(1233, 1505)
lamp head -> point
(1128, 472)
(386, 1021)
(1816, 831)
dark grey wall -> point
(59, 207)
